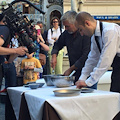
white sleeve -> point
(109, 50)
(38, 70)
(91, 62)
(49, 37)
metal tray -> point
(86, 90)
(67, 92)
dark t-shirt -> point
(78, 48)
(44, 35)
(4, 34)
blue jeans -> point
(94, 86)
(10, 75)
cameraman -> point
(4, 36)
(7, 55)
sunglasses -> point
(55, 21)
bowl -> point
(48, 79)
(34, 85)
(40, 84)
(62, 81)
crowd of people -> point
(19, 63)
(88, 41)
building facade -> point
(51, 8)
(104, 10)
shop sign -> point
(107, 17)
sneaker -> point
(4, 90)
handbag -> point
(42, 58)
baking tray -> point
(67, 92)
(86, 90)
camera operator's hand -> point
(21, 50)
(17, 51)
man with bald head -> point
(105, 50)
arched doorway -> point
(54, 10)
(55, 13)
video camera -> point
(21, 26)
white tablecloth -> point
(99, 105)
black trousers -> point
(10, 75)
(115, 77)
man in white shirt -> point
(104, 48)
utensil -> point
(62, 81)
(67, 92)
(71, 74)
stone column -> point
(74, 5)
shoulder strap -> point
(60, 30)
(96, 37)
(101, 27)
(97, 42)
(51, 31)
